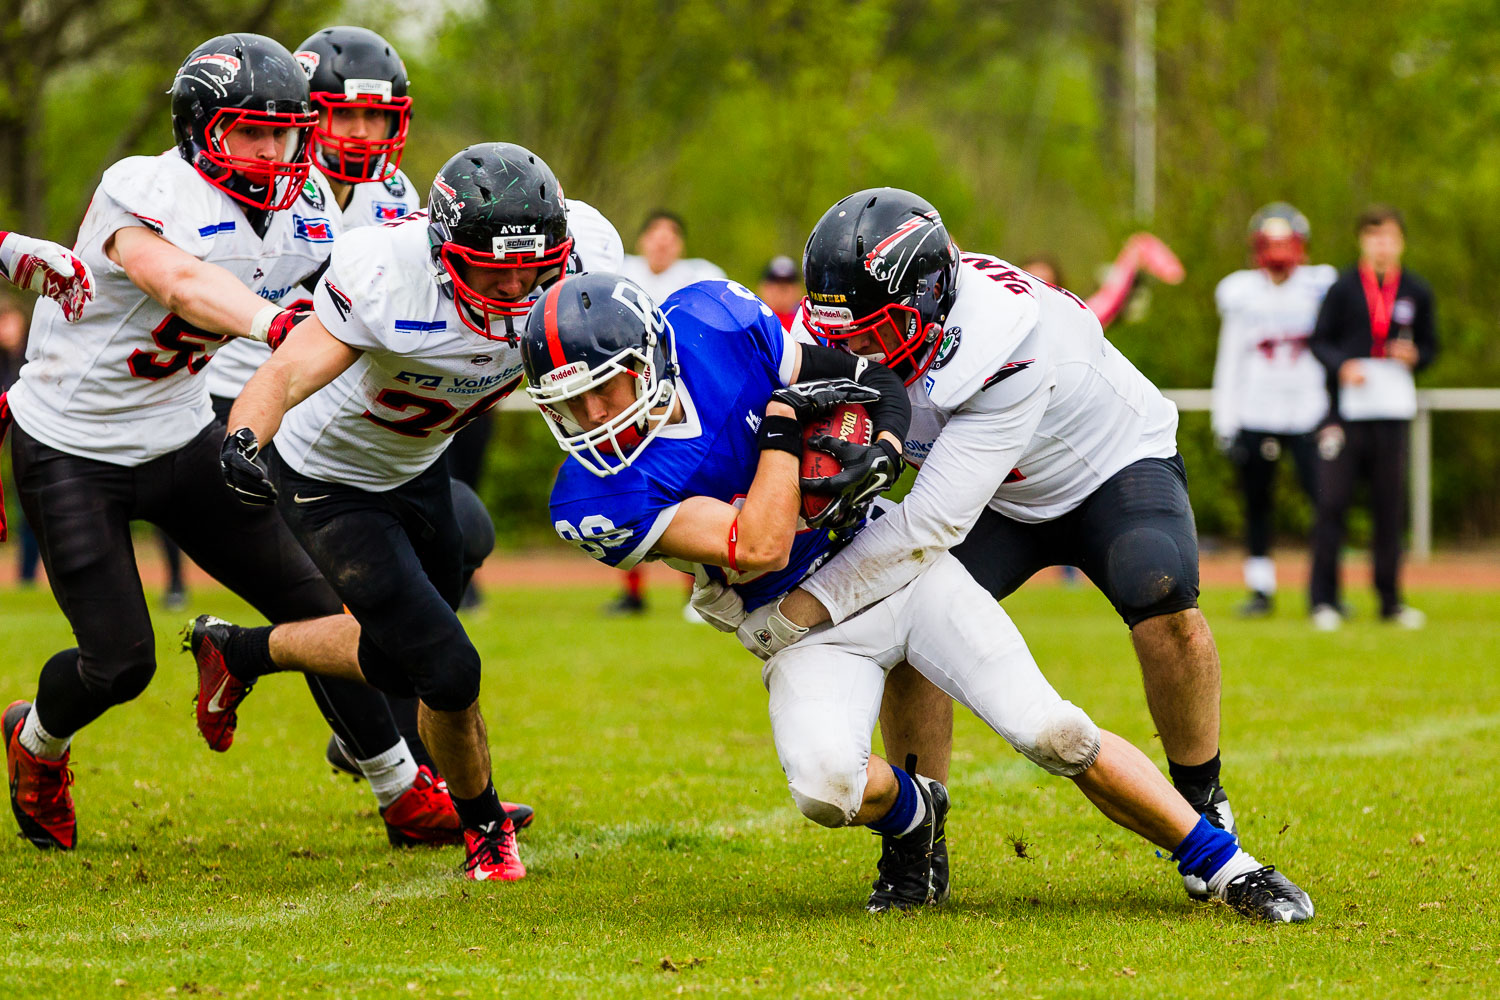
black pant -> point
(1377, 451)
(396, 559)
(1134, 537)
(81, 510)
(1255, 454)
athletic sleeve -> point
(973, 455)
(617, 523)
(1226, 362)
(352, 298)
(147, 191)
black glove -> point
(243, 473)
(868, 470)
(816, 397)
(294, 313)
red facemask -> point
(355, 161)
(281, 180)
(1282, 253)
(483, 309)
(897, 329)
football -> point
(848, 422)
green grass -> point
(667, 856)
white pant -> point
(825, 690)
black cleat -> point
(1214, 806)
(1269, 895)
(1260, 605)
(914, 868)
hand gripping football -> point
(847, 422)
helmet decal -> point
(215, 70)
(893, 255)
(308, 61)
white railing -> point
(1428, 402)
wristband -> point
(260, 326)
(780, 434)
(734, 544)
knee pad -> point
(1067, 744)
(119, 679)
(453, 684)
(1152, 572)
(828, 795)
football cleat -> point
(1215, 808)
(339, 759)
(219, 691)
(913, 869)
(39, 793)
(492, 855)
(424, 814)
(1269, 895)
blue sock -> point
(1204, 850)
(908, 801)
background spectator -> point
(781, 288)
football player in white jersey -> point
(1269, 393)
(48, 269)
(413, 335)
(190, 248)
(1039, 445)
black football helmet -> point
(356, 67)
(1278, 237)
(243, 81)
(880, 262)
(496, 205)
(583, 332)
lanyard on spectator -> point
(1381, 299)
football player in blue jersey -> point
(684, 431)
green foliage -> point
(1360, 763)
(750, 117)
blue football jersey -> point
(732, 353)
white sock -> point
(1231, 870)
(390, 774)
(919, 814)
(1260, 574)
(40, 742)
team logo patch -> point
(313, 195)
(395, 185)
(948, 347)
(892, 256)
(341, 302)
(385, 211)
(214, 70)
(481, 359)
(313, 230)
(308, 61)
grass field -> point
(668, 858)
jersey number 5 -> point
(182, 345)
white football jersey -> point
(681, 274)
(1265, 378)
(423, 375)
(121, 385)
(1027, 409)
(372, 203)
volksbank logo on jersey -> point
(313, 230)
(454, 385)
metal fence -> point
(1429, 401)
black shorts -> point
(1134, 537)
(396, 558)
(81, 510)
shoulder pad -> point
(595, 239)
(385, 272)
(1232, 287)
(1319, 276)
(737, 306)
(986, 325)
(167, 195)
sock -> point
(1196, 781)
(633, 583)
(40, 742)
(1230, 870)
(390, 774)
(1205, 850)
(1260, 574)
(481, 810)
(247, 653)
(908, 812)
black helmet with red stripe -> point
(247, 83)
(881, 263)
(496, 206)
(584, 332)
(350, 67)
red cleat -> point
(424, 814)
(38, 788)
(520, 814)
(492, 855)
(219, 691)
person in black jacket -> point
(1374, 331)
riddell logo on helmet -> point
(832, 315)
(892, 256)
(566, 373)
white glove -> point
(717, 604)
(767, 631)
(47, 269)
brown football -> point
(848, 422)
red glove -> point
(47, 269)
